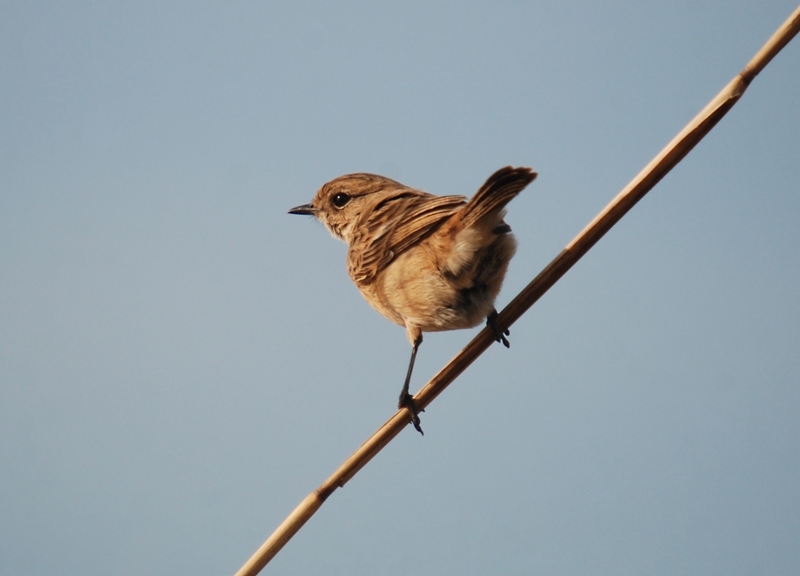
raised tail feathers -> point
(499, 190)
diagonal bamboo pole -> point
(602, 223)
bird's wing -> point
(393, 226)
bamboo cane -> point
(588, 237)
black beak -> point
(307, 209)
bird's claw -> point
(407, 401)
(499, 335)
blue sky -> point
(181, 362)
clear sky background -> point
(181, 362)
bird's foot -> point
(499, 336)
(407, 401)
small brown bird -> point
(426, 262)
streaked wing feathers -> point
(395, 225)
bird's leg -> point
(406, 399)
(491, 322)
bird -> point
(428, 263)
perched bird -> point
(426, 262)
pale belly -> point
(414, 291)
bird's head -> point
(340, 203)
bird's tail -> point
(499, 190)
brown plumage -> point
(426, 262)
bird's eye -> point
(340, 200)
